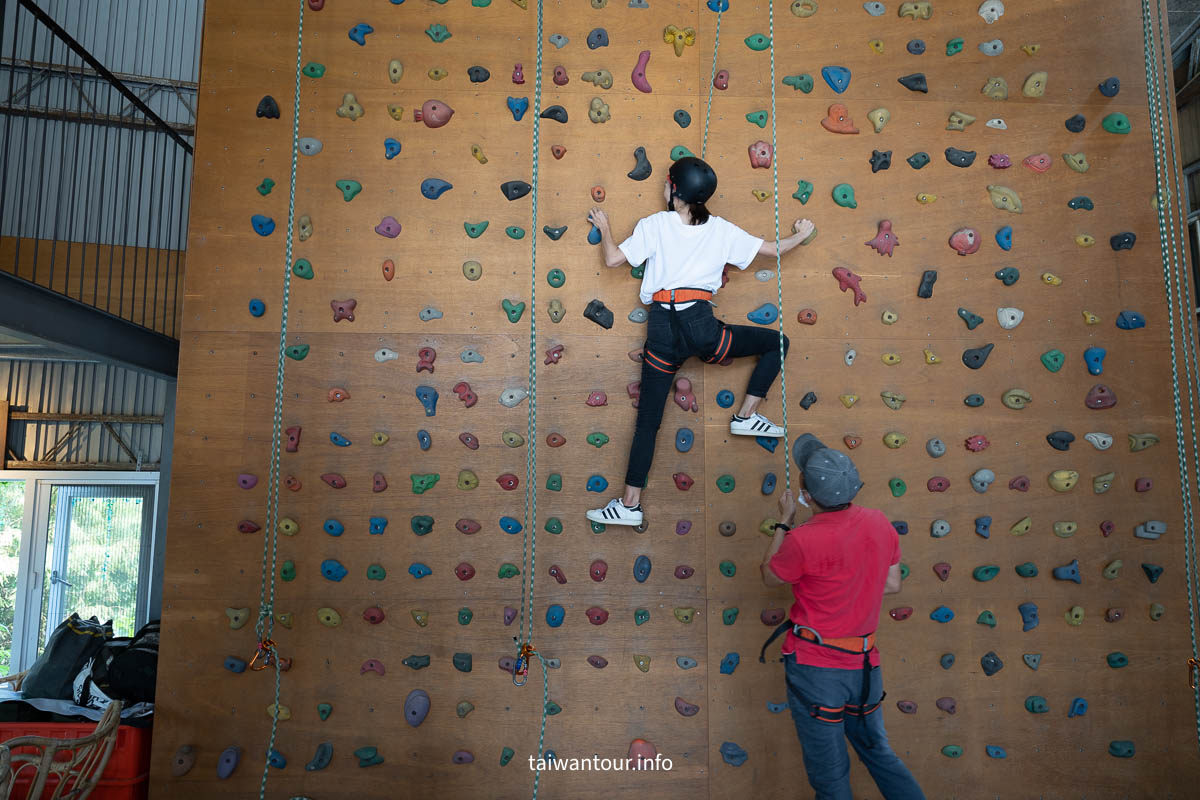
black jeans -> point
(694, 332)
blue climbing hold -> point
(334, 527)
(555, 615)
(1094, 358)
(424, 439)
(1029, 616)
(838, 78)
(419, 570)
(734, 756)
(1068, 572)
(916, 46)
(510, 525)
(768, 484)
(391, 148)
(901, 527)
(332, 570)
(378, 525)
(641, 569)
(597, 37)
(1004, 237)
(597, 483)
(433, 188)
(518, 106)
(683, 439)
(716, 6)
(764, 314)
(983, 526)
(947, 660)
(1078, 708)
(235, 665)
(725, 399)
(338, 440)
(257, 307)
(766, 443)
(358, 34)
(776, 708)
(594, 235)
(995, 752)
(428, 397)
(276, 759)
(729, 663)
(263, 226)
(1128, 320)
(941, 614)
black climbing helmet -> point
(692, 180)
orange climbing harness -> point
(684, 295)
(521, 668)
(265, 651)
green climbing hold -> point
(288, 571)
(727, 568)
(804, 190)
(297, 352)
(423, 483)
(554, 525)
(1053, 360)
(843, 195)
(508, 570)
(1036, 704)
(954, 46)
(475, 229)
(513, 310)
(597, 527)
(757, 42)
(313, 70)
(641, 616)
(552, 708)
(803, 83)
(376, 572)
(324, 710)
(556, 277)
(637, 272)
(679, 151)
(985, 573)
(348, 188)
(507, 753)
(904, 571)
(729, 616)
(1027, 570)
(554, 482)
(465, 615)
(302, 269)
(759, 118)
(484, 4)
(597, 439)
(422, 524)
(1120, 748)
(898, 487)
(986, 618)
(952, 751)
(726, 483)
(438, 32)
(515, 232)
(1115, 123)
(1117, 659)
(266, 186)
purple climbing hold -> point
(388, 227)
(463, 757)
(247, 481)
(416, 707)
(510, 614)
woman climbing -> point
(685, 249)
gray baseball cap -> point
(830, 477)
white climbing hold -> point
(1101, 441)
(982, 479)
(470, 356)
(991, 48)
(991, 10)
(849, 359)
(997, 123)
(511, 398)
(1009, 318)
(384, 354)
(764, 275)
(875, 9)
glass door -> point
(12, 512)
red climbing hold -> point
(293, 439)
(901, 614)
(772, 616)
(464, 571)
(838, 120)
(852, 441)
(721, 81)
(246, 526)
(848, 280)
(556, 572)
(1143, 485)
(977, 443)
(683, 572)
(965, 241)
(469, 440)
(634, 390)
(807, 316)
(378, 482)
(1019, 483)
(467, 526)
(937, 484)
(554, 354)
(335, 480)
(558, 151)
(597, 399)
(434, 113)
(463, 390)
(942, 570)
(683, 481)
(598, 193)
(374, 615)
(343, 309)
(884, 240)
(560, 76)
(508, 481)
(597, 615)
(1100, 396)
(598, 570)
(425, 358)
(518, 76)
(684, 398)
(1107, 527)
(760, 155)
(556, 440)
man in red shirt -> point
(839, 563)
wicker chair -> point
(75, 764)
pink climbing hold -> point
(1038, 162)
(554, 354)
(434, 113)
(378, 483)
(683, 572)
(884, 239)
(510, 614)
(1143, 485)
(372, 665)
(518, 76)
(760, 154)
(942, 570)
(1100, 396)
(293, 439)
(469, 439)
(467, 526)
(977, 443)
(772, 616)
(639, 72)
(338, 395)
(343, 309)
(683, 527)
(999, 161)
(464, 571)
(721, 80)
(965, 241)
(1107, 527)
(425, 358)
(388, 227)
(597, 398)
(937, 484)
(848, 280)
(634, 390)
(1019, 483)
(636, 355)
(335, 480)
(247, 481)
(508, 663)
(684, 397)
(560, 76)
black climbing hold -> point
(478, 74)
(682, 118)
(975, 357)
(267, 107)
(971, 319)
(1110, 87)
(1076, 123)
(1008, 276)
(462, 662)
(880, 159)
(597, 38)
(1153, 572)
(973, 400)
(1122, 241)
(1060, 440)
(960, 158)
(901, 527)
(991, 663)
(1081, 202)
(916, 46)
(642, 169)
(928, 279)
(556, 113)
(598, 313)
(915, 82)
(514, 190)
(554, 233)
(918, 159)
(808, 400)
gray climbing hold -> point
(1032, 660)
(558, 40)
(935, 447)
(514, 190)
(928, 278)
(992, 47)
(915, 82)
(642, 168)
(638, 315)
(875, 9)
(308, 146)
(976, 357)
(960, 158)
(682, 118)
(322, 758)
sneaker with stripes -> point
(617, 513)
(754, 425)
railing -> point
(95, 164)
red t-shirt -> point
(837, 563)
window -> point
(12, 509)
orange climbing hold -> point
(558, 151)
(838, 120)
(389, 270)
(337, 395)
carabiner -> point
(521, 667)
(266, 651)
(1193, 667)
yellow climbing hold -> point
(477, 151)
(1050, 279)
(642, 662)
(350, 108)
(767, 526)
(848, 400)
(1063, 480)
(1065, 530)
(395, 70)
(285, 619)
(420, 617)
(512, 438)
(891, 359)
(284, 712)
(1075, 615)
(329, 617)
(878, 118)
(1113, 570)
(1016, 399)
(889, 317)
(1022, 527)
(894, 440)
(1076, 161)
(893, 400)
(958, 121)
(925, 198)
(379, 438)
(679, 37)
(467, 480)
(1140, 441)
(996, 88)
(1102, 483)
(1035, 85)
(931, 358)
(1004, 198)
(1090, 319)
(395, 112)
(289, 526)
(437, 73)
(1030, 49)
(1085, 240)
(804, 8)
(876, 46)
(760, 195)
(685, 615)
(522, 3)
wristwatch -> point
(779, 525)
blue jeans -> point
(825, 758)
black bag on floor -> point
(71, 647)
(129, 673)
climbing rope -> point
(525, 650)
(265, 625)
(787, 461)
(712, 75)
(1173, 269)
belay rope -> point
(1167, 204)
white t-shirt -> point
(679, 255)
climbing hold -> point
(729, 663)
(596, 38)
(941, 614)
(991, 663)
(996, 88)
(946, 661)
(760, 155)
(960, 158)
(970, 318)
(1139, 441)
(1081, 202)
(1122, 241)
(958, 121)
(940, 484)
(838, 78)
(901, 614)
(894, 440)
(1100, 397)
(1027, 570)
(982, 479)
(837, 120)
(1068, 572)
(1076, 161)
(915, 82)
(598, 313)
(1130, 320)
(1016, 399)
(1060, 440)
(954, 46)
(976, 357)
(935, 447)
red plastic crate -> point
(125, 775)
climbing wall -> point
(405, 535)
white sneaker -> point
(755, 425)
(616, 513)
